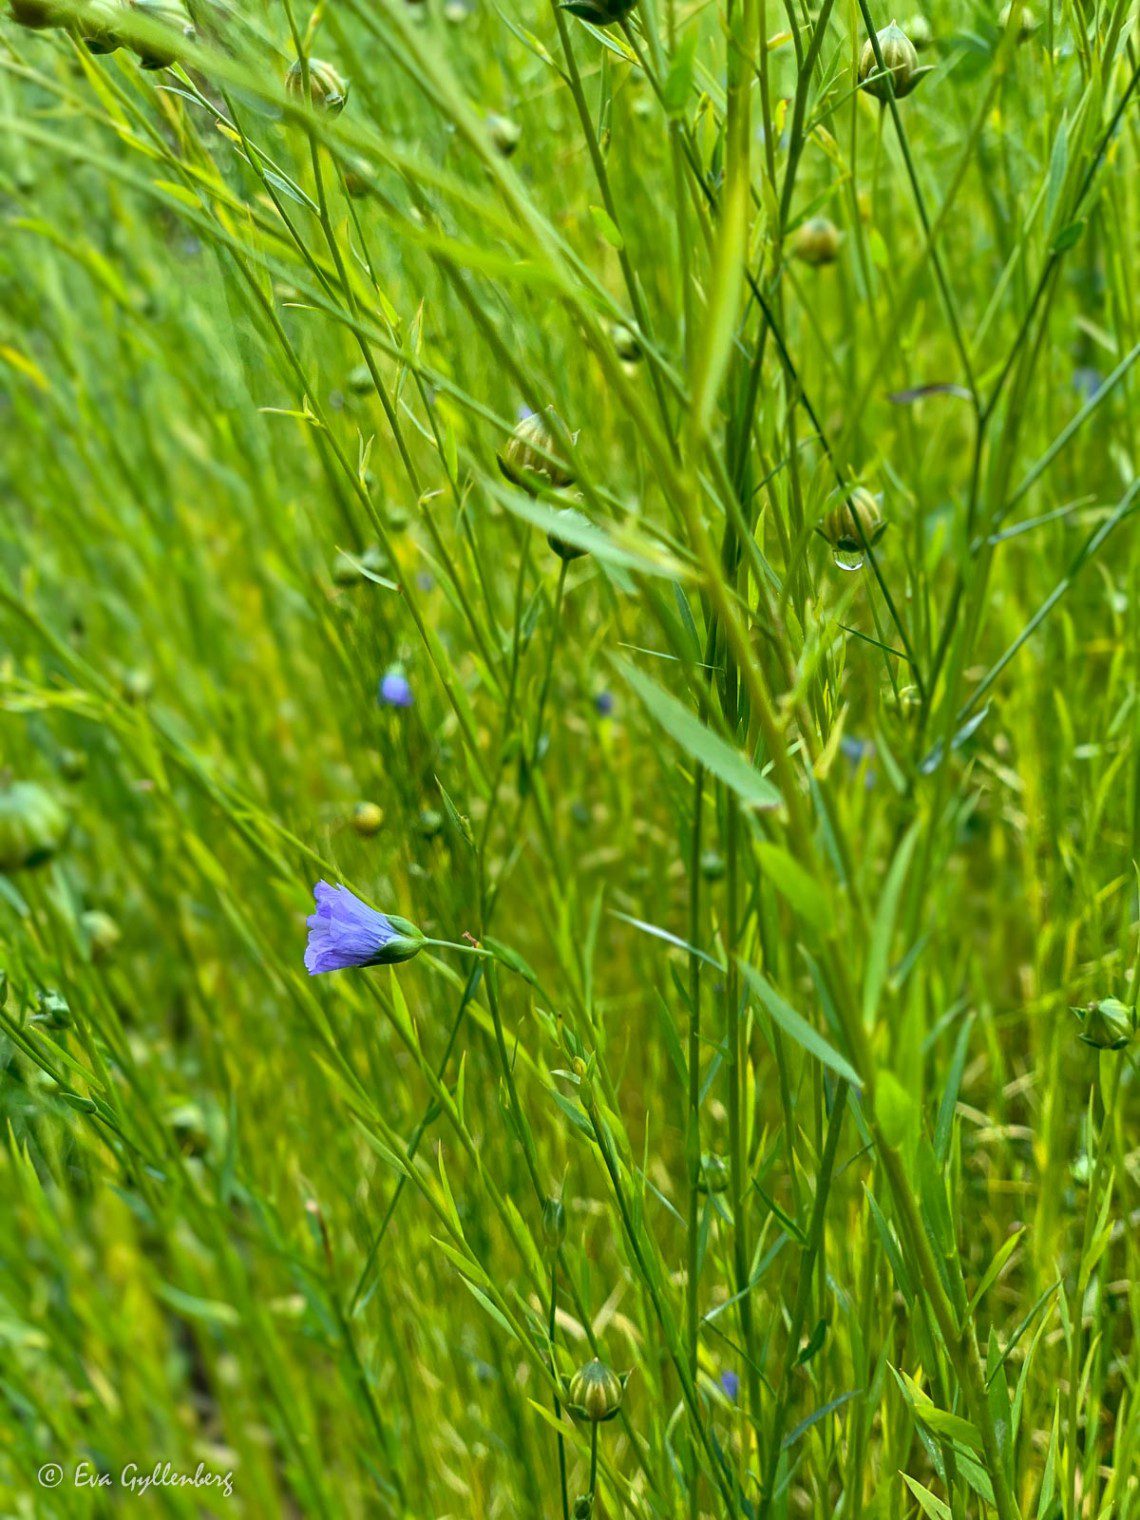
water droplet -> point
(849, 559)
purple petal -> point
(343, 931)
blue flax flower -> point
(395, 689)
(730, 1383)
(604, 703)
(346, 932)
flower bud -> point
(97, 26)
(712, 865)
(103, 933)
(504, 134)
(1024, 20)
(626, 343)
(599, 12)
(367, 819)
(33, 826)
(73, 764)
(1107, 1024)
(583, 1507)
(160, 55)
(328, 90)
(561, 547)
(359, 177)
(137, 685)
(920, 32)
(531, 458)
(553, 1223)
(855, 524)
(595, 1393)
(713, 1174)
(900, 59)
(35, 14)
(817, 242)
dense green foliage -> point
(757, 753)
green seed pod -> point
(359, 177)
(73, 764)
(817, 242)
(854, 525)
(583, 1507)
(900, 59)
(328, 90)
(36, 15)
(531, 458)
(367, 819)
(97, 28)
(160, 55)
(1107, 1024)
(431, 823)
(1024, 20)
(714, 1177)
(33, 826)
(561, 547)
(712, 866)
(595, 1393)
(504, 134)
(920, 32)
(137, 687)
(626, 343)
(553, 1223)
(103, 933)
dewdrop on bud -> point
(1107, 1024)
(155, 54)
(33, 826)
(853, 527)
(899, 58)
(504, 133)
(553, 1223)
(1024, 19)
(817, 242)
(595, 1393)
(531, 458)
(329, 92)
(920, 32)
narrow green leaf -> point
(715, 754)
(798, 885)
(797, 1028)
(879, 948)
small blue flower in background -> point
(1087, 381)
(395, 689)
(425, 580)
(346, 932)
(731, 1384)
(604, 703)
